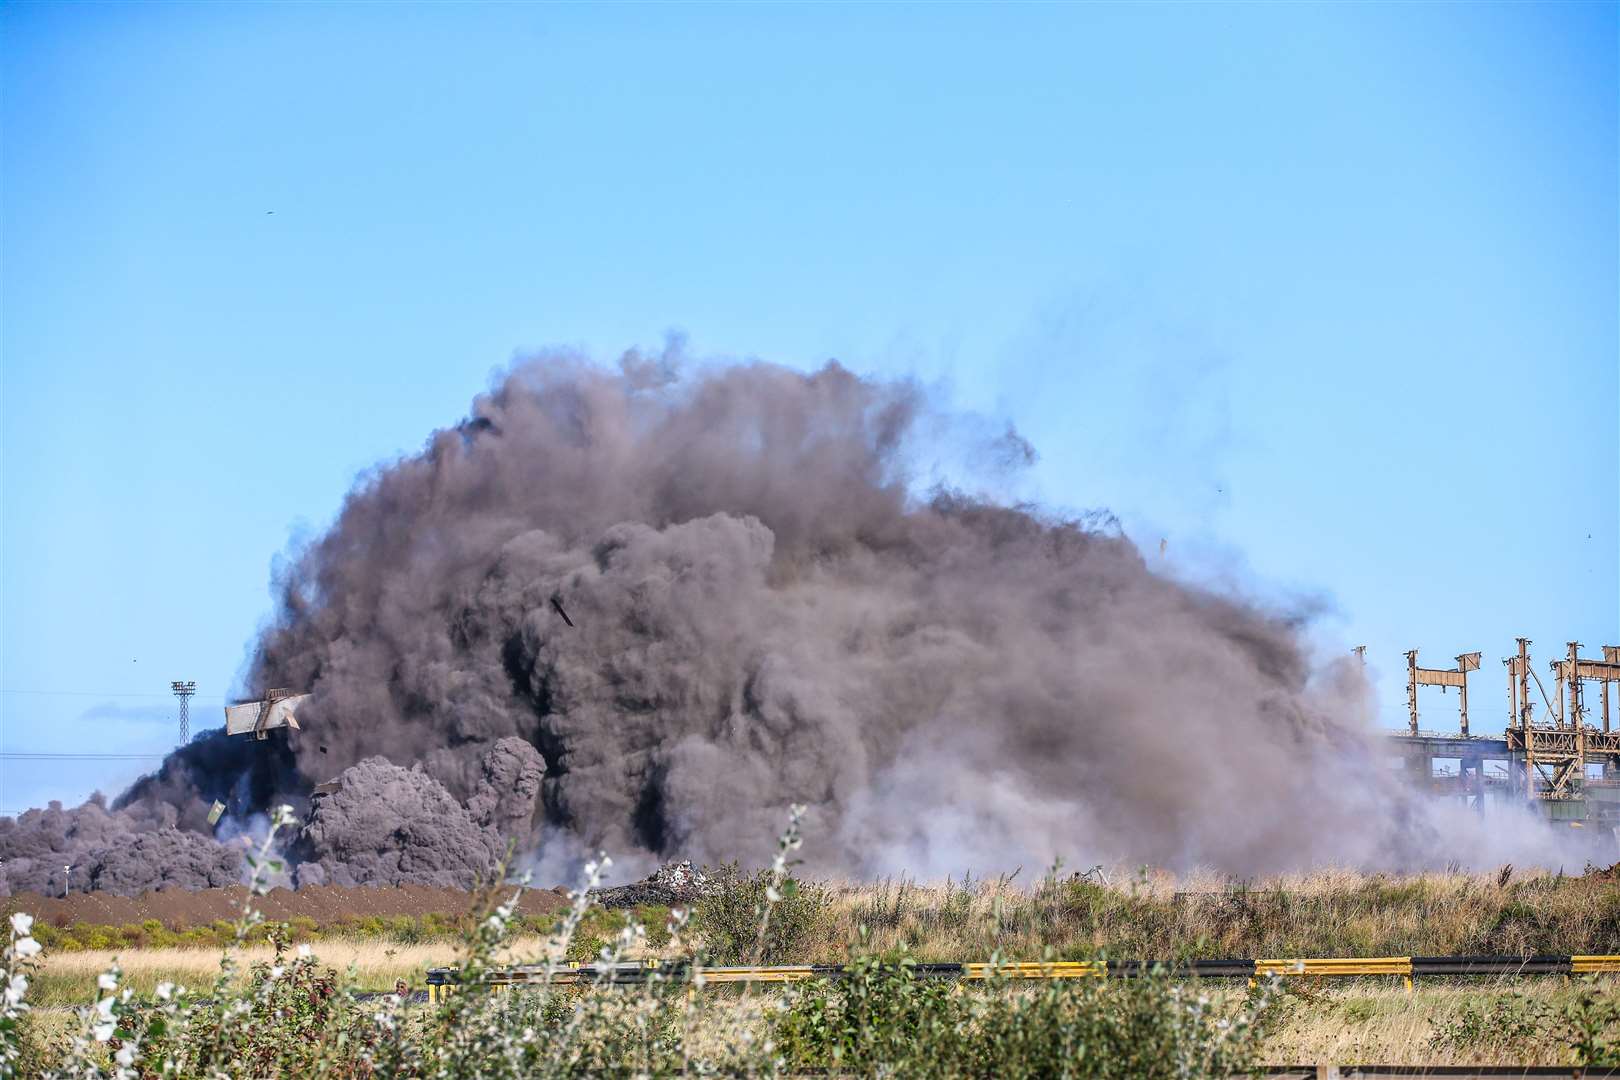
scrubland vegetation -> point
(1157, 916)
(1147, 917)
(303, 999)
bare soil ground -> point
(180, 909)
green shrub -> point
(96, 937)
(728, 922)
(883, 1019)
(655, 917)
(584, 948)
(1586, 1025)
(874, 1020)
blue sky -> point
(1324, 295)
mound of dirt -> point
(179, 909)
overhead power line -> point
(69, 756)
(99, 694)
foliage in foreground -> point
(292, 1016)
(882, 1018)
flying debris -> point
(556, 603)
(275, 710)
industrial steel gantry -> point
(1547, 760)
(1556, 754)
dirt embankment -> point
(180, 909)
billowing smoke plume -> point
(647, 612)
(387, 825)
(89, 848)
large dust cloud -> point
(647, 609)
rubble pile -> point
(672, 884)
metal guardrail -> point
(441, 981)
(1454, 1072)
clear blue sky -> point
(1327, 296)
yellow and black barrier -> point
(442, 981)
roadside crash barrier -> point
(446, 980)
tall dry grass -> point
(1144, 916)
(1364, 1022)
(1160, 916)
(69, 978)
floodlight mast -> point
(183, 691)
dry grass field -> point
(1161, 916)
(1525, 1021)
(69, 978)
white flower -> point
(304, 952)
(103, 1031)
(104, 1007)
(16, 990)
(125, 1055)
(164, 991)
(277, 971)
(772, 895)
(22, 925)
(107, 981)
(26, 947)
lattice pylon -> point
(183, 691)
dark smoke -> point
(387, 825)
(90, 848)
(646, 612)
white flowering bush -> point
(291, 1016)
(15, 965)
